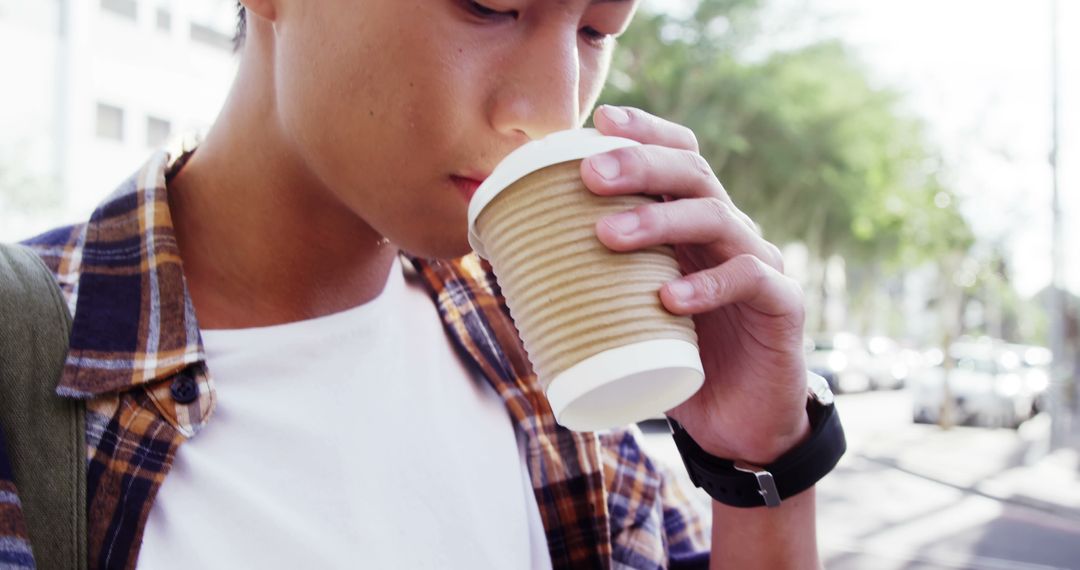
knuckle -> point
(690, 137)
(709, 284)
(670, 215)
(753, 268)
(700, 166)
(750, 223)
(652, 217)
(775, 257)
(640, 161)
(797, 316)
(720, 185)
(717, 208)
(797, 292)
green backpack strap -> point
(46, 433)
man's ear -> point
(266, 9)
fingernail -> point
(604, 165)
(625, 223)
(681, 290)
(616, 115)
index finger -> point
(640, 126)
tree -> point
(800, 138)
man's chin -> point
(440, 247)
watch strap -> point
(739, 484)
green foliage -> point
(802, 140)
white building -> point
(92, 87)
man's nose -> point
(540, 88)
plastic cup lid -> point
(562, 146)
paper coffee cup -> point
(604, 348)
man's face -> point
(387, 101)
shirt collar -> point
(133, 319)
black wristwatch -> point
(740, 484)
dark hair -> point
(241, 26)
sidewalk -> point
(1010, 466)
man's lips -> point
(467, 185)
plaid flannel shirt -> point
(135, 351)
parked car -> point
(842, 360)
(888, 363)
(1033, 364)
(987, 384)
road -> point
(882, 510)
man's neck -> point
(263, 241)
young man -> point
(288, 396)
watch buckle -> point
(766, 484)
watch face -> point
(819, 389)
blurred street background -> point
(918, 162)
(910, 496)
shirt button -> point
(184, 389)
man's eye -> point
(478, 9)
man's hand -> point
(748, 314)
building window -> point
(125, 8)
(164, 19)
(157, 131)
(110, 122)
(209, 36)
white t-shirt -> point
(359, 439)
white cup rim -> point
(627, 384)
